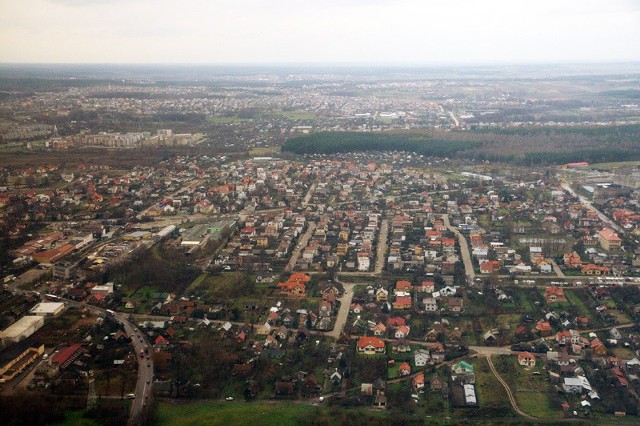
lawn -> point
(75, 418)
(217, 285)
(264, 151)
(291, 115)
(490, 392)
(227, 120)
(532, 391)
(242, 413)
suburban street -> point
(302, 243)
(343, 313)
(382, 246)
(590, 205)
(143, 389)
(464, 249)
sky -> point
(399, 32)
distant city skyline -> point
(296, 31)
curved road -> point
(509, 394)
(145, 364)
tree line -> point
(525, 146)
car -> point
(229, 398)
(131, 396)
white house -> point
(430, 304)
(421, 357)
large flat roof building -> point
(47, 309)
(21, 329)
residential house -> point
(490, 266)
(404, 369)
(402, 303)
(421, 357)
(379, 329)
(598, 348)
(455, 304)
(382, 294)
(418, 382)
(403, 288)
(401, 346)
(437, 385)
(402, 332)
(430, 304)
(566, 337)
(553, 294)
(544, 328)
(370, 345)
(572, 385)
(526, 359)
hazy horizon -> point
(374, 32)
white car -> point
(229, 398)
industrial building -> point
(66, 356)
(167, 230)
(21, 329)
(196, 236)
(15, 359)
(65, 270)
(47, 309)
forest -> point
(526, 146)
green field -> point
(291, 115)
(490, 392)
(264, 151)
(263, 414)
(532, 391)
(607, 166)
(76, 418)
(237, 413)
(216, 285)
(227, 120)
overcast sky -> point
(320, 31)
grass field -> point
(607, 166)
(264, 151)
(239, 413)
(227, 120)
(490, 391)
(532, 391)
(292, 115)
(263, 414)
(206, 284)
(75, 418)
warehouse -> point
(17, 358)
(47, 309)
(21, 329)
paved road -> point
(383, 237)
(464, 249)
(453, 117)
(343, 313)
(588, 203)
(144, 383)
(195, 183)
(304, 240)
(310, 192)
(492, 350)
(145, 366)
(557, 269)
